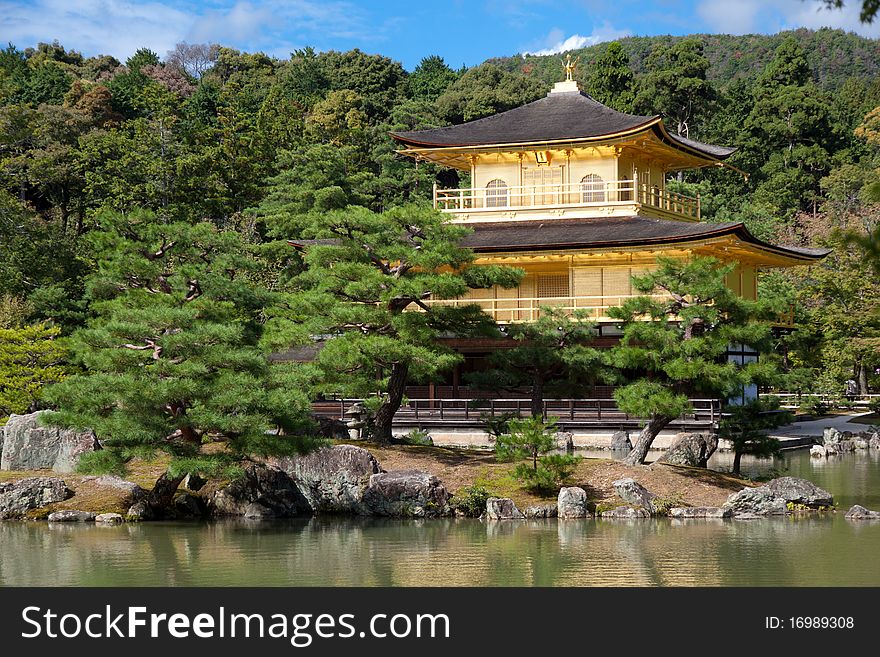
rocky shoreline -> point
(348, 479)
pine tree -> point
(31, 357)
(364, 288)
(611, 79)
(675, 347)
(171, 356)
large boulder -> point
(270, 487)
(502, 508)
(699, 512)
(620, 441)
(19, 497)
(818, 452)
(800, 491)
(874, 441)
(693, 449)
(131, 490)
(565, 441)
(634, 494)
(332, 479)
(72, 516)
(859, 512)
(572, 503)
(28, 445)
(405, 493)
(760, 501)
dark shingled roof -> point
(556, 117)
(609, 231)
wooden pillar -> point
(456, 380)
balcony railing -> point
(528, 309)
(596, 195)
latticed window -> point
(496, 194)
(593, 189)
(552, 285)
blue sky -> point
(461, 31)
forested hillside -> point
(251, 143)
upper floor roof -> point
(565, 116)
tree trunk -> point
(647, 435)
(537, 404)
(385, 414)
(863, 379)
(154, 503)
(737, 457)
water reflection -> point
(829, 551)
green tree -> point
(611, 79)
(675, 84)
(430, 78)
(364, 287)
(675, 346)
(31, 357)
(486, 89)
(550, 355)
(746, 428)
(531, 438)
(171, 356)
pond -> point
(791, 551)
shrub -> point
(663, 504)
(416, 437)
(497, 425)
(874, 405)
(471, 500)
(532, 439)
(814, 406)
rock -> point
(747, 515)
(541, 511)
(830, 436)
(332, 479)
(858, 512)
(633, 493)
(405, 493)
(572, 503)
(193, 482)
(625, 512)
(269, 486)
(760, 501)
(140, 511)
(72, 516)
(187, 505)
(831, 449)
(693, 449)
(19, 497)
(860, 443)
(28, 445)
(874, 442)
(800, 491)
(255, 511)
(818, 452)
(699, 512)
(845, 446)
(108, 519)
(620, 441)
(565, 440)
(502, 508)
(134, 492)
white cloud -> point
(555, 42)
(120, 27)
(770, 16)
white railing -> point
(582, 194)
(528, 309)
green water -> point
(828, 551)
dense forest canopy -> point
(256, 144)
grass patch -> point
(872, 419)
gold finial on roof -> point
(569, 65)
